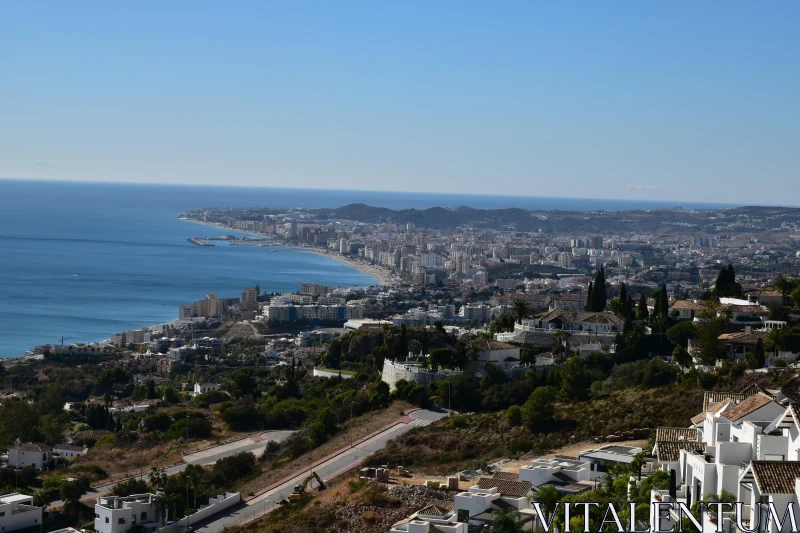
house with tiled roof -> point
(686, 309)
(37, 455)
(574, 320)
(736, 344)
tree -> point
(194, 478)
(538, 410)
(598, 297)
(726, 285)
(71, 491)
(758, 354)
(642, 313)
(575, 381)
(589, 300)
(681, 333)
(507, 521)
(706, 345)
(664, 302)
(784, 285)
(795, 294)
(157, 477)
(151, 390)
(682, 356)
(161, 503)
(776, 339)
(41, 498)
(514, 415)
(521, 309)
(547, 496)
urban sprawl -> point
(509, 370)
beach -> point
(381, 274)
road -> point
(342, 462)
(255, 444)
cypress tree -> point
(624, 301)
(598, 295)
(759, 353)
(589, 297)
(664, 301)
(641, 311)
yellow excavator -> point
(300, 491)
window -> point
(769, 457)
(106, 520)
(463, 515)
(121, 521)
(144, 516)
(3, 513)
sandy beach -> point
(381, 274)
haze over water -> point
(86, 260)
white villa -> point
(18, 512)
(743, 443)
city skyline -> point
(630, 101)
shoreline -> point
(381, 275)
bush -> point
(514, 415)
(228, 470)
(131, 486)
(459, 421)
(210, 398)
(241, 418)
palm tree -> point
(161, 503)
(194, 478)
(561, 341)
(522, 309)
(784, 285)
(776, 339)
(158, 477)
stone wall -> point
(394, 372)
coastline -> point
(381, 275)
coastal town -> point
(487, 377)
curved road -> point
(342, 462)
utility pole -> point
(449, 411)
(351, 423)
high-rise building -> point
(250, 298)
(596, 242)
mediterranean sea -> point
(86, 260)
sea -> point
(85, 260)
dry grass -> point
(125, 460)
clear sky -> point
(658, 100)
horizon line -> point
(393, 191)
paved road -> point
(205, 457)
(250, 444)
(344, 461)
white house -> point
(18, 512)
(118, 514)
(499, 354)
(573, 320)
(200, 388)
(33, 454)
(566, 475)
(70, 451)
(600, 459)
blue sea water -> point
(86, 260)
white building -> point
(200, 388)
(33, 454)
(600, 459)
(70, 451)
(18, 512)
(118, 514)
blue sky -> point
(663, 100)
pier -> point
(199, 242)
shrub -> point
(514, 415)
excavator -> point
(300, 491)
